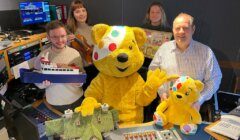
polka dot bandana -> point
(178, 84)
(109, 43)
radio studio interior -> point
(119, 70)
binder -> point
(58, 12)
(53, 12)
(63, 13)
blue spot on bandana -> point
(183, 79)
(174, 88)
(115, 33)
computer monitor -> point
(34, 12)
(227, 101)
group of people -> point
(182, 56)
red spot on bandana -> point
(179, 85)
(112, 47)
(96, 56)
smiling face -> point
(186, 95)
(80, 14)
(117, 53)
(58, 38)
(122, 61)
(186, 90)
(183, 31)
(155, 15)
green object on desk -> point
(83, 127)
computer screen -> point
(227, 101)
(34, 12)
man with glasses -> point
(61, 96)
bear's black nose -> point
(122, 57)
(179, 96)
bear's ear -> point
(140, 36)
(199, 85)
(98, 31)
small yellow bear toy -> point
(118, 58)
(177, 109)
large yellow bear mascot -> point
(118, 58)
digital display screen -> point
(34, 12)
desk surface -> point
(22, 41)
(32, 38)
(200, 135)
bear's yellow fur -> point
(118, 58)
(177, 109)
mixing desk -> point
(148, 131)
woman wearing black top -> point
(155, 18)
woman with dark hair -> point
(155, 18)
(77, 24)
(77, 21)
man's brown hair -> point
(54, 25)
